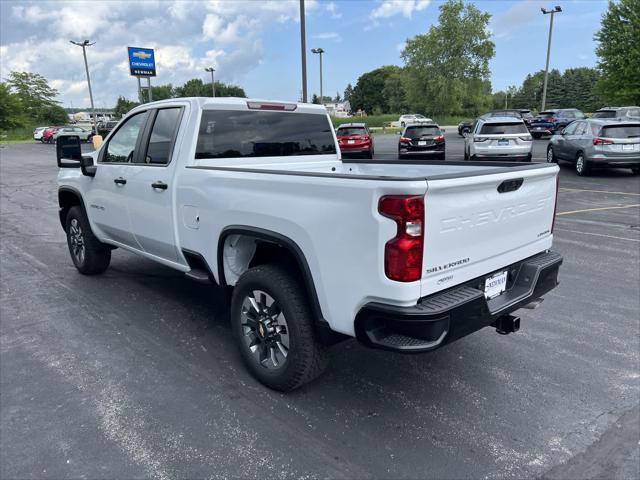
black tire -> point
(441, 156)
(529, 158)
(536, 135)
(306, 357)
(466, 154)
(92, 256)
(369, 154)
(582, 165)
(635, 171)
(551, 156)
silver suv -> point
(618, 112)
(498, 138)
(598, 143)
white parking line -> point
(597, 191)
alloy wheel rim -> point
(77, 241)
(580, 164)
(265, 332)
(549, 156)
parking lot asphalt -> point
(134, 373)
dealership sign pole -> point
(142, 63)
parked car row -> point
(588, 144)
(50, 134)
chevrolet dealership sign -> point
(142, 62)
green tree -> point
(123, 106)
(337, 98)
(162, 92)
(450, 63)
(347, 93)
(315, 99)
(11, 109)
(368, 93)
(37, 97)
(579, 84)
(395, 92)
(618, 53)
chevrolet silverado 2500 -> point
(254, 196)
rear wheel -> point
(273, 325)
(466, 154)
(90, 256)
(369, 154)
(582, 166)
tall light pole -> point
(84, 45)
(555, 10)
(319, 51)
(303, 49)
(213, 84)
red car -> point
(355, 138)
(47, 135)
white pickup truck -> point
(254, 196)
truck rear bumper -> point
(446, 316)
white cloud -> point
(335, 36)
(332, 8)
(390, 8)
(520, 13)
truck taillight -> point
(555, 207)
(403, 253)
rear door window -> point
(621, 131)
(503, 128)
(350, 131)
(163, 134)
(239, 134)
(605, 114)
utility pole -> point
(84, 45)
(303, 49)
(213, 85)
(319, 51)
(555, 10)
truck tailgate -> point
(475, 225)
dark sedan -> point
(422, 140)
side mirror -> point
(87, 167)
(68, 151)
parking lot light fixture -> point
(319, 51)
(556, 9)
(213, 84)
(84, 45)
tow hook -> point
(507, 324)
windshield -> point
(621, 131)
(505, 114)
(417, 132)
(349, 131)
(236, 134)
(503, 128)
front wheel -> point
(89, 255)
(273, 325)
(582, 166)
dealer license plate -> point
(495, 285)
(422, 143)
(351, 142)
(503, 142)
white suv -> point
(499, 138)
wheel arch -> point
(68, 197)
(274, 247)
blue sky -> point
(256, 44)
